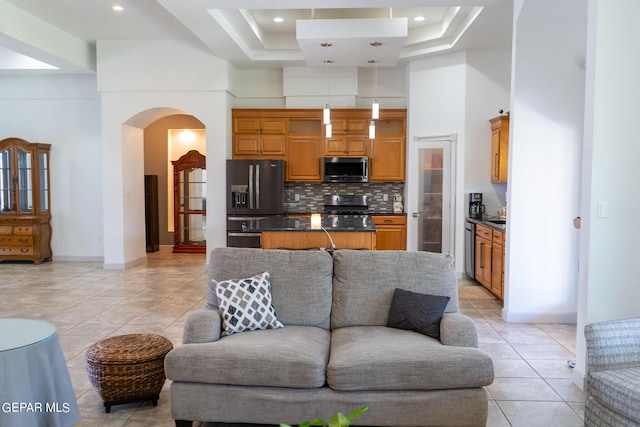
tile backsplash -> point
(311, 195)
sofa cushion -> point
(301, 281)
(294, 356)
(618, 390)
(381, 358)
(417, 312)
(364, 282)
(245, 304)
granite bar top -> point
(350, 223)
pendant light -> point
(372, 130)
(375, 107)
(326, 111)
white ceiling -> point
(41, 34)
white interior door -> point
(431, 195)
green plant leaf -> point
(357, 412)
(339, 420)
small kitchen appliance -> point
(476, 208)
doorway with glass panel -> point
(432, 198)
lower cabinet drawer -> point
(16, 250)
(16, 240)
(23, 230)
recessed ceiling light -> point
(278, 19)
(419, 18)
(117, 8)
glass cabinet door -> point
(6, 184)
(25, 181)
(192, 190)
(44, 181)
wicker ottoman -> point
(128, 368)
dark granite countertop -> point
(490, 221)
(351, 223)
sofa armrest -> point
(458, 330)
(613, 344)
(202, 326)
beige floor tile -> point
(512, 368)
(555, 368)
(539, 414)
(534, 389)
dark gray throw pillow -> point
(417, 312)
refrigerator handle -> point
(257, 186)
(250, 186)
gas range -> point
(349, 204)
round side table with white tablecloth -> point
(35, 388)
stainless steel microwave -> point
(345, 169)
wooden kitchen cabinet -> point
(350, 126)
(25, 213)
(489, 260)
(259, 146)
(387, 159)
(297, 136)
(497, 264)
(345, 146)
(303, 158)
(259, 138)
(257, 125)
(391, 232)
(483, 252)
(499, 148)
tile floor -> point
(532, 385)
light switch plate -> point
(603, 209)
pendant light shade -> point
(375, 107)
(375, 110)
(372, 130)
(328, 130)
(326, 115)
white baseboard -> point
(126, 265)
(78, 258)
(578, 378)
(514, 317)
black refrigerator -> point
(255, 192)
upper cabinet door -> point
(499, 149)
(25, 181)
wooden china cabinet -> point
(25, 213)
(190, 203)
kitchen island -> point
(334, 231)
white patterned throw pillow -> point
(245, 304)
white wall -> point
(488, 92)
(545, 162)
(436, 106)
(141, 81)
(458, 93)
(608, 258)
(64, 111)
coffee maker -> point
(476, 208)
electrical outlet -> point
(385, 197)
(297, 197)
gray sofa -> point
(613, 373)
(335, 352)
